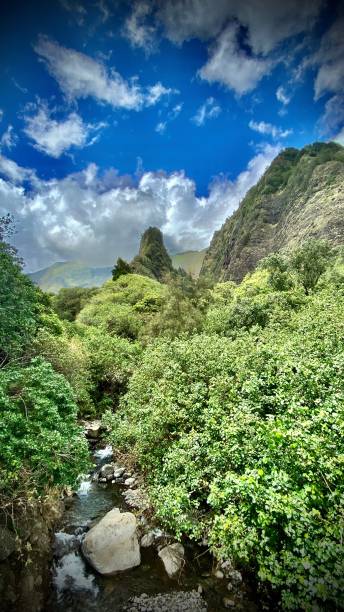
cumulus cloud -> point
(137, 30)
(330, 60)
(96, 218)
(209, 110)
(158, 91)
(54, 137)
(232, 66)
(268, 23)
(15, 173)
(80, 76)
(268, 129)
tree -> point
(310, 261)
(278, 268)
(121, 267)
(69, 301)
(19, 299)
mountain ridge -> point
(300, 196)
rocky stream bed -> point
(109, 556)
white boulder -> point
(172, 557)
(112, 546)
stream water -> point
(77, 587)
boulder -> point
(93, 429)
(172, 557)
(7, 543)
(112, 546)
(118, 473)
(129, 482)
(106, 471)
(148, 539)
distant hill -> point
(76, 274)
(69, 274)
(300, 196)
(190, 261)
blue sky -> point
(117, 115)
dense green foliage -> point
(121, 267)
(68, 302)
(40, 441)
(41, 445)
(240, 431)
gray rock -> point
(129, 482)
(7, 543)
(218, 574)
(148, 539)
(228, 603)
(167, 602)
(93, 429)
(112, 546)
(172, 557)
(136, 498)
(118, 473)
(107, 471)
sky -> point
(119, 115)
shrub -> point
(39, 438)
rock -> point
(107, 471)
(129, 482)
(234, 576)
(7, 543)
(136, 498)
(93, 429)
(182, 601)
(148, 539)
(172, 557)
(218, 574)
(228, 603)
(112, 546)
(103, 480)
(118, 473)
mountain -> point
(153, 260)
(69, 274)
(190, 261)
(300, 196)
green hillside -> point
(69, 274)
(300, 196)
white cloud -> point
(9, 138)
(230, 65)
(156, 92)
(76, 9)
(209, 110)
(80, 76)
(268, 23)
(330, 59)
(332, 119)
(340, 137)
(268, 129)
(96, 218)
(171, 116)
(54, 137)
(136, 29)
(15, 173)
(282, 96)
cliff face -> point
(300, 196)
(153, 260)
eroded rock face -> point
(112, 546)
(7, 543)
(172, 557)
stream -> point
(76, 586)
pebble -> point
(181, 601)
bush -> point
(69, 301)
(40, 442)
(242, 441)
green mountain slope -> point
(190, 261)
(69, 274)
(300, 196)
